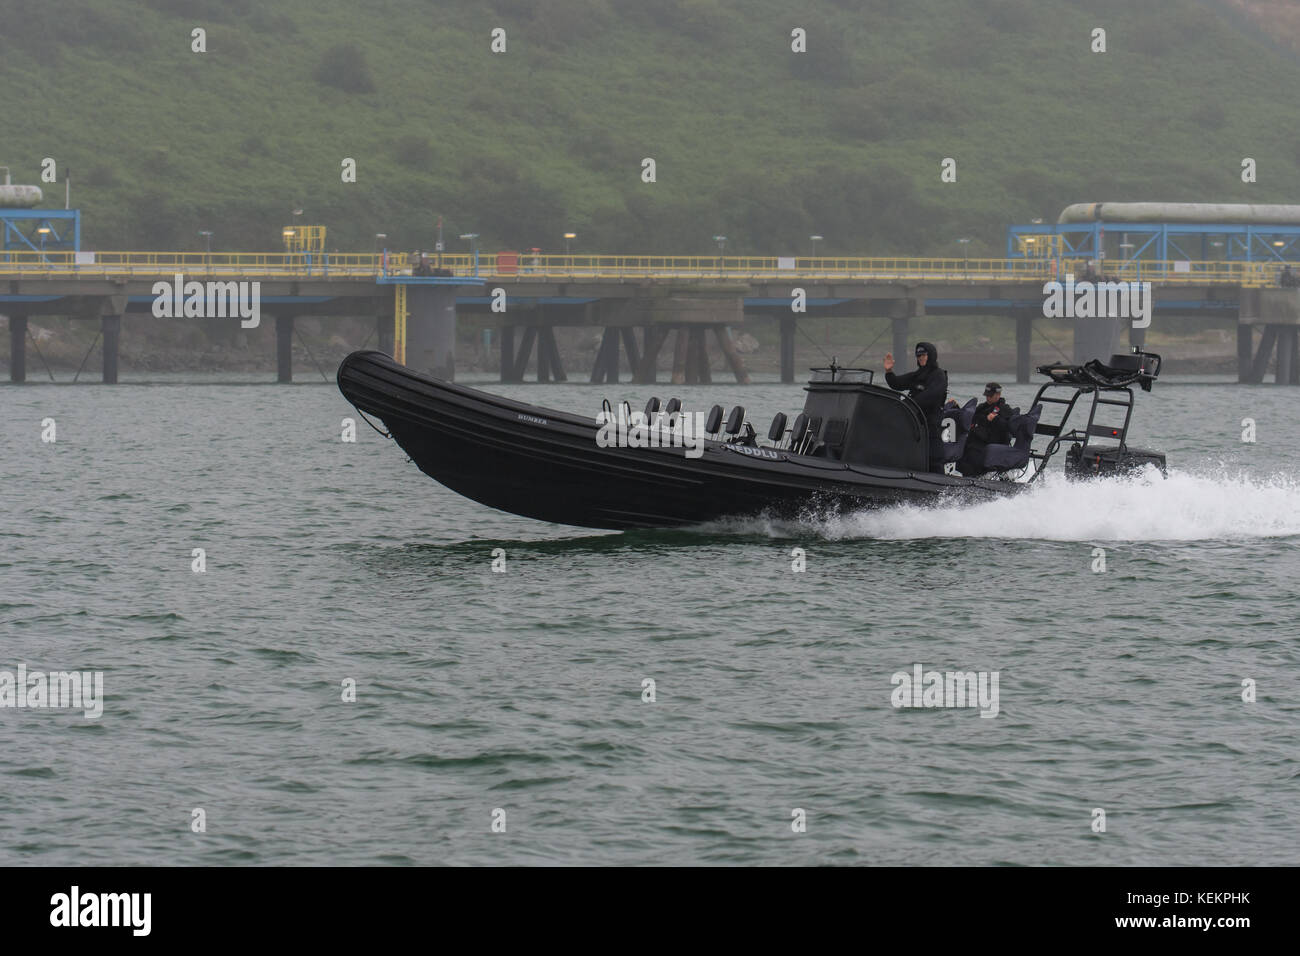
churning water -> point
(1148, 507)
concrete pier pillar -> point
(1095, 338)
(787, 323)
(543, 353)
(431, 330)
(680, 352)
(284, 348)
(633, 350)
(557, 362)
(507, 338)
(1278, 311)
(384, 333)
(1137, 338)
(729, 352)
(17, 348)
(697, 358)
(902, 347)
(1024, 341)
(1259, 364)
(1285, 367)
(605, 368)
(646, 371)
(524, 353)
(1245, 351)
(112, 329)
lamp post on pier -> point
(207, 255)
(473, 247)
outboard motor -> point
(1110, 462)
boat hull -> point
(547, 465)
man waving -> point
(928, 387)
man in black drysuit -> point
(928, 387)
(990, 426)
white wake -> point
(1183, 507)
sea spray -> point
(1183, 507)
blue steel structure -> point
(21, 230)
(1161, 242)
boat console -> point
(853, 420)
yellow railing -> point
(1185, 272)
(525, 266)
(740, 267)
(252, 264)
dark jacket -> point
(927, 386)
(996, 432)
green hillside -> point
(750, 139)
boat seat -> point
(713, 424)
(962, 417)
(673, 411)
(651, 407)
(1015, 455)
(1123, 370)
(777, 429)
(735, 419)
(798, 431)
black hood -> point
(931, 351)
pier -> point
(646, 306)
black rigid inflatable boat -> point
(856, 445)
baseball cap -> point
(992, 387)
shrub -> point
(414, 152)
(344, 67)
(101, 176)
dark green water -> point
(522, 690)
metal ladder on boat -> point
(1102, 400)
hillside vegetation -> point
(750, 139)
